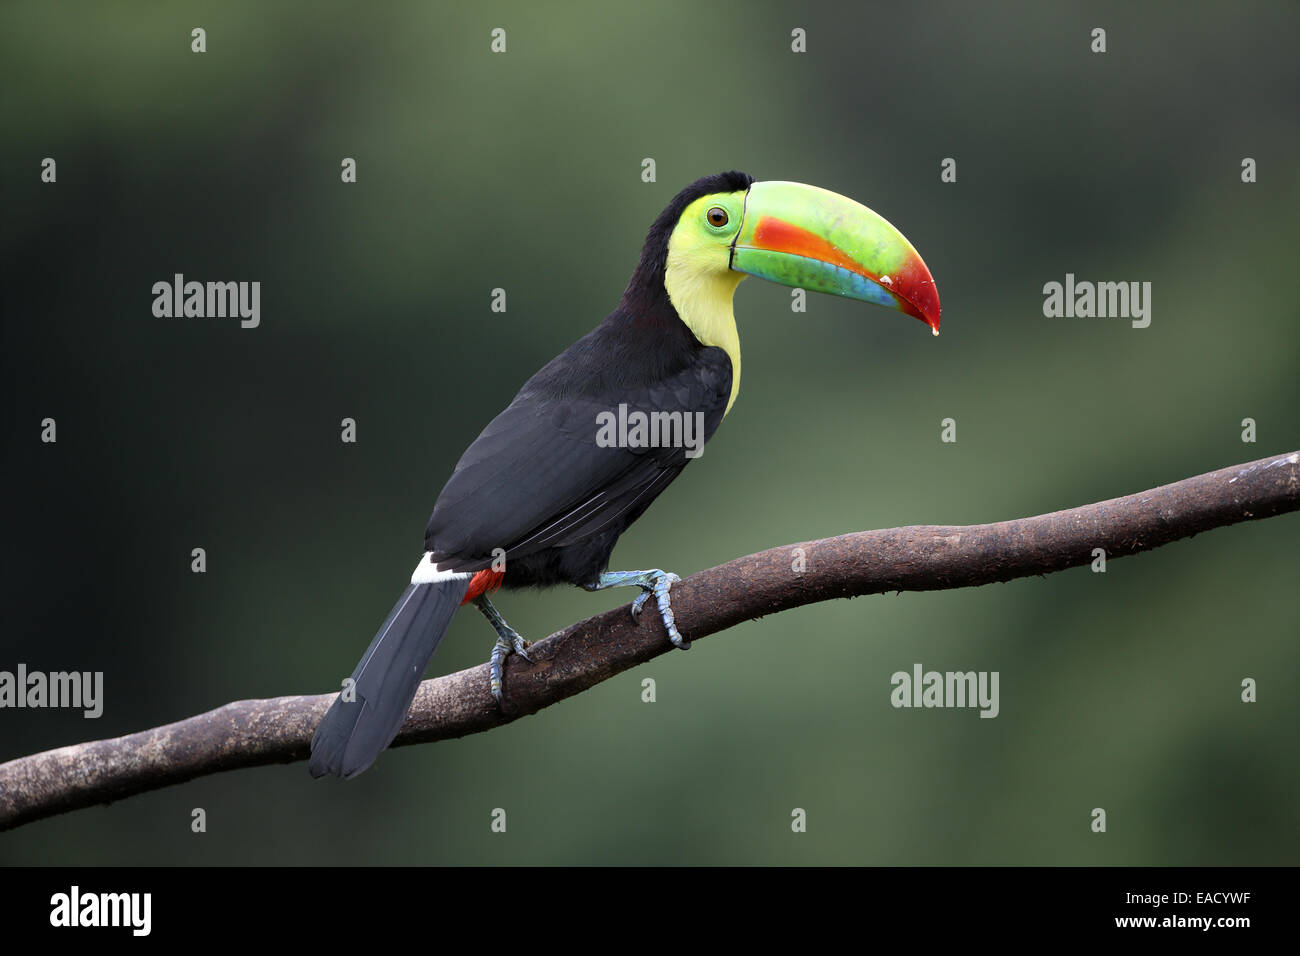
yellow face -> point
(699, 278)
(704, 234)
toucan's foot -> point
(660, 589)
(650, 582)
(502, 649)
(509, 641)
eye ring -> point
(717, 217)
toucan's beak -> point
(815, 239)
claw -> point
(654, 582)
(661, 588)
(639, 603)
(520, 647)
(509, 641)
(495, 662)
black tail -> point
(355, 732)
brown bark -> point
(249, 733)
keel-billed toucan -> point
(543, 494)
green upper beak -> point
(815, 239)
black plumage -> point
(537, 485)
(354, 732)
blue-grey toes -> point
(661, 584)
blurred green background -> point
(522, 171)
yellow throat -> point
(701, 285)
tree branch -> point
(250, 733)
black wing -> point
(536, 477)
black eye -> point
(717, 216)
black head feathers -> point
(649, 276)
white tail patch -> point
(426, 572)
